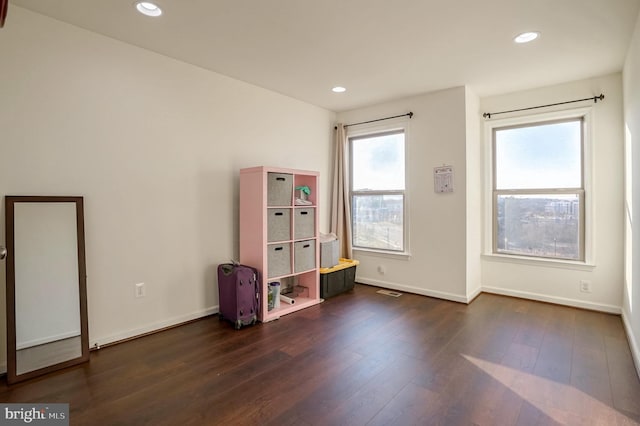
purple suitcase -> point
(239, 294)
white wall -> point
(631, 304)
(474, 195)
(556, 283)
(437, 241)
(154, 145)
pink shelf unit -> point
(279, 234)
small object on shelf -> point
(301, 291)
(287, 300)
(303, 194)
(270, 299)
(304, 191)
(275, 291)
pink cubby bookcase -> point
(279, 234)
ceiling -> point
(378, 49)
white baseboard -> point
(473, 295)
(416, 290)
(495, 290)
(633, 344)
(611, 309)
(139, 331)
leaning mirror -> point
(46, 285)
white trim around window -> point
(586, 114)
(389, 126)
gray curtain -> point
(340, 201)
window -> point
(538, 189)
(378, 191)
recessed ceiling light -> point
(339, 89)
(148, 8)
(526, 37)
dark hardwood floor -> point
(363, 358)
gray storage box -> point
(279, 189)
(304, 223)
(304, 255)
(278, 260)
(329, 254)
(278, 225)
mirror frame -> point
(10, 201)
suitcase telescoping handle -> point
(256, 280)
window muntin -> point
(539, 190)
(378, 191)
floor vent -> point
(389, 293)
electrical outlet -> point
(140, 291)
(585, 286)
(381, 270)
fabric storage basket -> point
(329, 253)
(304, 223)
(279, 189)
(304, 253)
(278, 260)
(278, 225)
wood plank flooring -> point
(362, 358)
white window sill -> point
(539, 261)
(383, 253)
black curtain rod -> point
(409, 114)
(594, 99)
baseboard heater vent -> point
(389, 293)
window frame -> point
(584, 193)
(370, 131)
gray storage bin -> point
(304, 223)
(304, 255)
(278, 225)
(279, 189)
(329, 254)
(278, 260)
